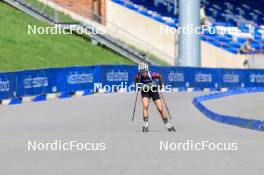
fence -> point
(243, 122)
(72, 79)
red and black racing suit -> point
(152, 83)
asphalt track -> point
(107, 118)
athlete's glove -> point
(161, 87)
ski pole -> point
(135, 105)
(165, 105)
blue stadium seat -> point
(225, 13)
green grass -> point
(20, 50)
(50, 12)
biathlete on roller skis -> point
(150, 83)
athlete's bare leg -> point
(160, 108)
(145, 103)
(164, 115)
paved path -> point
(107, 118)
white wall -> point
(213, 56)
(140, 31)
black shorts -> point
(149, 94)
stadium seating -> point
(243, 17)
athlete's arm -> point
(136, 79)
(137, 82)
(159, 77)
(161, 82)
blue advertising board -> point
(77, 78)
(71, 79)
(8, 85)
(34, 82)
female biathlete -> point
(150, 83)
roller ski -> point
(169, 126)
(171, 129)
(145, 126)
(145, 129)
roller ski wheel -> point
(172, 129)
(145, 129)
